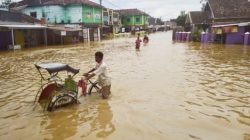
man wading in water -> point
(101, 71)
(138, 42)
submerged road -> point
(165, 91)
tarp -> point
(61, 28)
(224, 25)
(27, 26)
(30, 26)
(232, 24)
(57, 67)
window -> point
(88, 14)
(43, 14)
(128, 19)
(137, 19)
(33, 14)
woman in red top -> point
(138, 42)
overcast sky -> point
(165, 9)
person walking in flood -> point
(145, 40)
(104, 81)
(138, 42)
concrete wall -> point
(131, 20)
(5, 39)
(52, 13)
(19, 38)
(39, 11)
(55, 14)
(236, 38)
(91, 14)
(73, 14)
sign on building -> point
(63, 33)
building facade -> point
(111, 22)
(76, 13)
(222, 21)
(133, 19)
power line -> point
(113, 4)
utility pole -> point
(102, 10)
(101, 19)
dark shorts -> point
(105, 91)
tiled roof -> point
(16, 17)
(130, 12)
(198, 17)
(223, 9)
(87, 2)
(53, 2)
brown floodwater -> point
(166, 90)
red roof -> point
(53, 2)
(57, 2)
(131, 12)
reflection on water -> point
(102, 122)
(61, 125)
(163, 91)
(65, 123)
(246, 136)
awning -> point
(225, 25)
(244, 24)
(58, 28)
(56, 67)
(24, 26)
(232, 24)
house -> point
(111, 21)
(170, 24)
(83, 14)
(133, 19)
(18, 29)
(224, 21)
(156, 24)
(229, 20)
(196, 19)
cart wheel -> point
(94, 88)
(61, 100)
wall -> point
(116, 18)
(55, 14)
(19, 38)
(91, 14)
(39, 11)
(5, 39)
(67, 14)
(143, 20)
(236, 38)
(126, 22)
(73, 13)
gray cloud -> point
(166, 9)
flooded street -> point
(165, 91)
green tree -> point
(196, 34)
(180, 20)
(5, 4)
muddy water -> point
(164, 91)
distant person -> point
(101, 71)
(145, 39)
(138, 42)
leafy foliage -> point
(196, 34)
(5, 4)
(180, 20)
